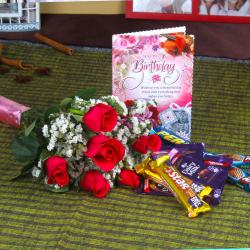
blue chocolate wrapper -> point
(168, 137)
(240, 178)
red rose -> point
(129, 178)
(56, 169)
(105, 152)
(95, 183)
(100, 118)
(154, 143)
(141, 144)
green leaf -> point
(33, 115)
(29, 129)
(90, 134)
(25, 149)
(45, 154)
(51, 110)
(26, 170)
(76, 111)
(65, 103)
(57, 190)
(86, 93)
(78, 118)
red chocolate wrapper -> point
(10, 111)
(148, 186)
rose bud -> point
(129, 103)
(154, 143)
(56, 170)
(129, 178)
(141, 144)
(94, 182)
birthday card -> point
(157, 65)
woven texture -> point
(32, 218)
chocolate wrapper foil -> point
(215, 175)
(147, 170)
(240, 161)
(148, 186)
(210, 171)
(239, 177)
(181, 187)
(144, 169)
(239, 171)
(10, 111)
(182, 190)
(192, 149)
(168, 137)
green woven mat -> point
(32, 218)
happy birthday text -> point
(153, 66)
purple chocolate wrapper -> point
(195, 150)
(220, 166)
(213, 171)
(240, 161)
(239, 172)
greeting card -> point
(157, 64)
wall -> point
(84, 7)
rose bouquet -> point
(86, 143)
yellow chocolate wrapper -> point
(147, 170)
(182, 190)
(149, 164)
(187, 192)
(144, 168)
(141, 167)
